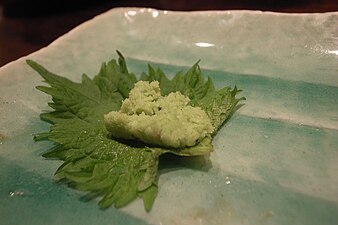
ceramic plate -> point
(275, 160)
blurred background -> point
(28, 25)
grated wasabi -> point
(168, 121)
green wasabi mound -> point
(167, 121)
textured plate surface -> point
(275, 161)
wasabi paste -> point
(168, 121)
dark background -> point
(28, 25)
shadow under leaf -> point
(170, 162)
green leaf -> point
(149, 196)
(117, 171)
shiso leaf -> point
(118, 171)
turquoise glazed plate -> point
(275, 160)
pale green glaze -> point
(275, 161)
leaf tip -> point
(29, 61)
(119, 54)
